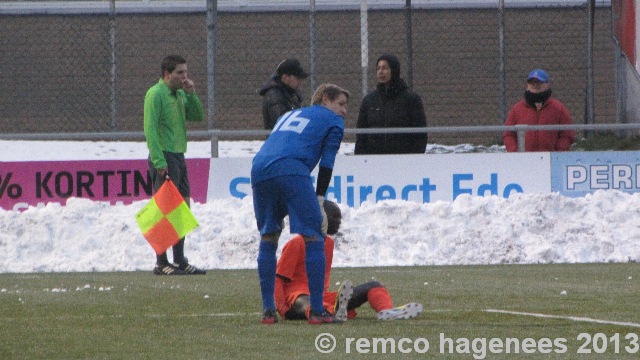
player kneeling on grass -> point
(292, 290)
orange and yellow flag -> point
(166, 218)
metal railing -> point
(215, 135)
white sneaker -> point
(342, 300)
(404, 312)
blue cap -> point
(538, 74)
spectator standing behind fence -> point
(168, 105)
(539, 108)
(391, 105)
(280, 93)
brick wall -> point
(55, 70)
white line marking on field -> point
(203, 315)
(572, 318)
(229, 314)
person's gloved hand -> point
(325, 222)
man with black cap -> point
(280, 93)
(538, 108)
(391, 105)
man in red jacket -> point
(292, 290)
(538, 108)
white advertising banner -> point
(419, 178)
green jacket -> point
(165, 117)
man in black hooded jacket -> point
(391, 105)
(280, 93)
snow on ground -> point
(526, 228)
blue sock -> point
(315, 266)
(267, 273)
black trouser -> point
(177, 171)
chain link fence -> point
(72, 68)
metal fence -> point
(85, 67)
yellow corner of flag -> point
(182, 219)
(148, 216)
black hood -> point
(394, 64)
(396, 85)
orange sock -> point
(379, 299)
(351, 314)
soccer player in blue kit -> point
(282, 185)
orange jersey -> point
(291, 266)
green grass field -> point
(136, 315)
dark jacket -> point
(392, 107)
(277, 99)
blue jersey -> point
(300, 139)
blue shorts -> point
(292, 195)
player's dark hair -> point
(334, 216)
(171, 62)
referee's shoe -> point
(189, 269)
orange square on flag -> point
(162, 236)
